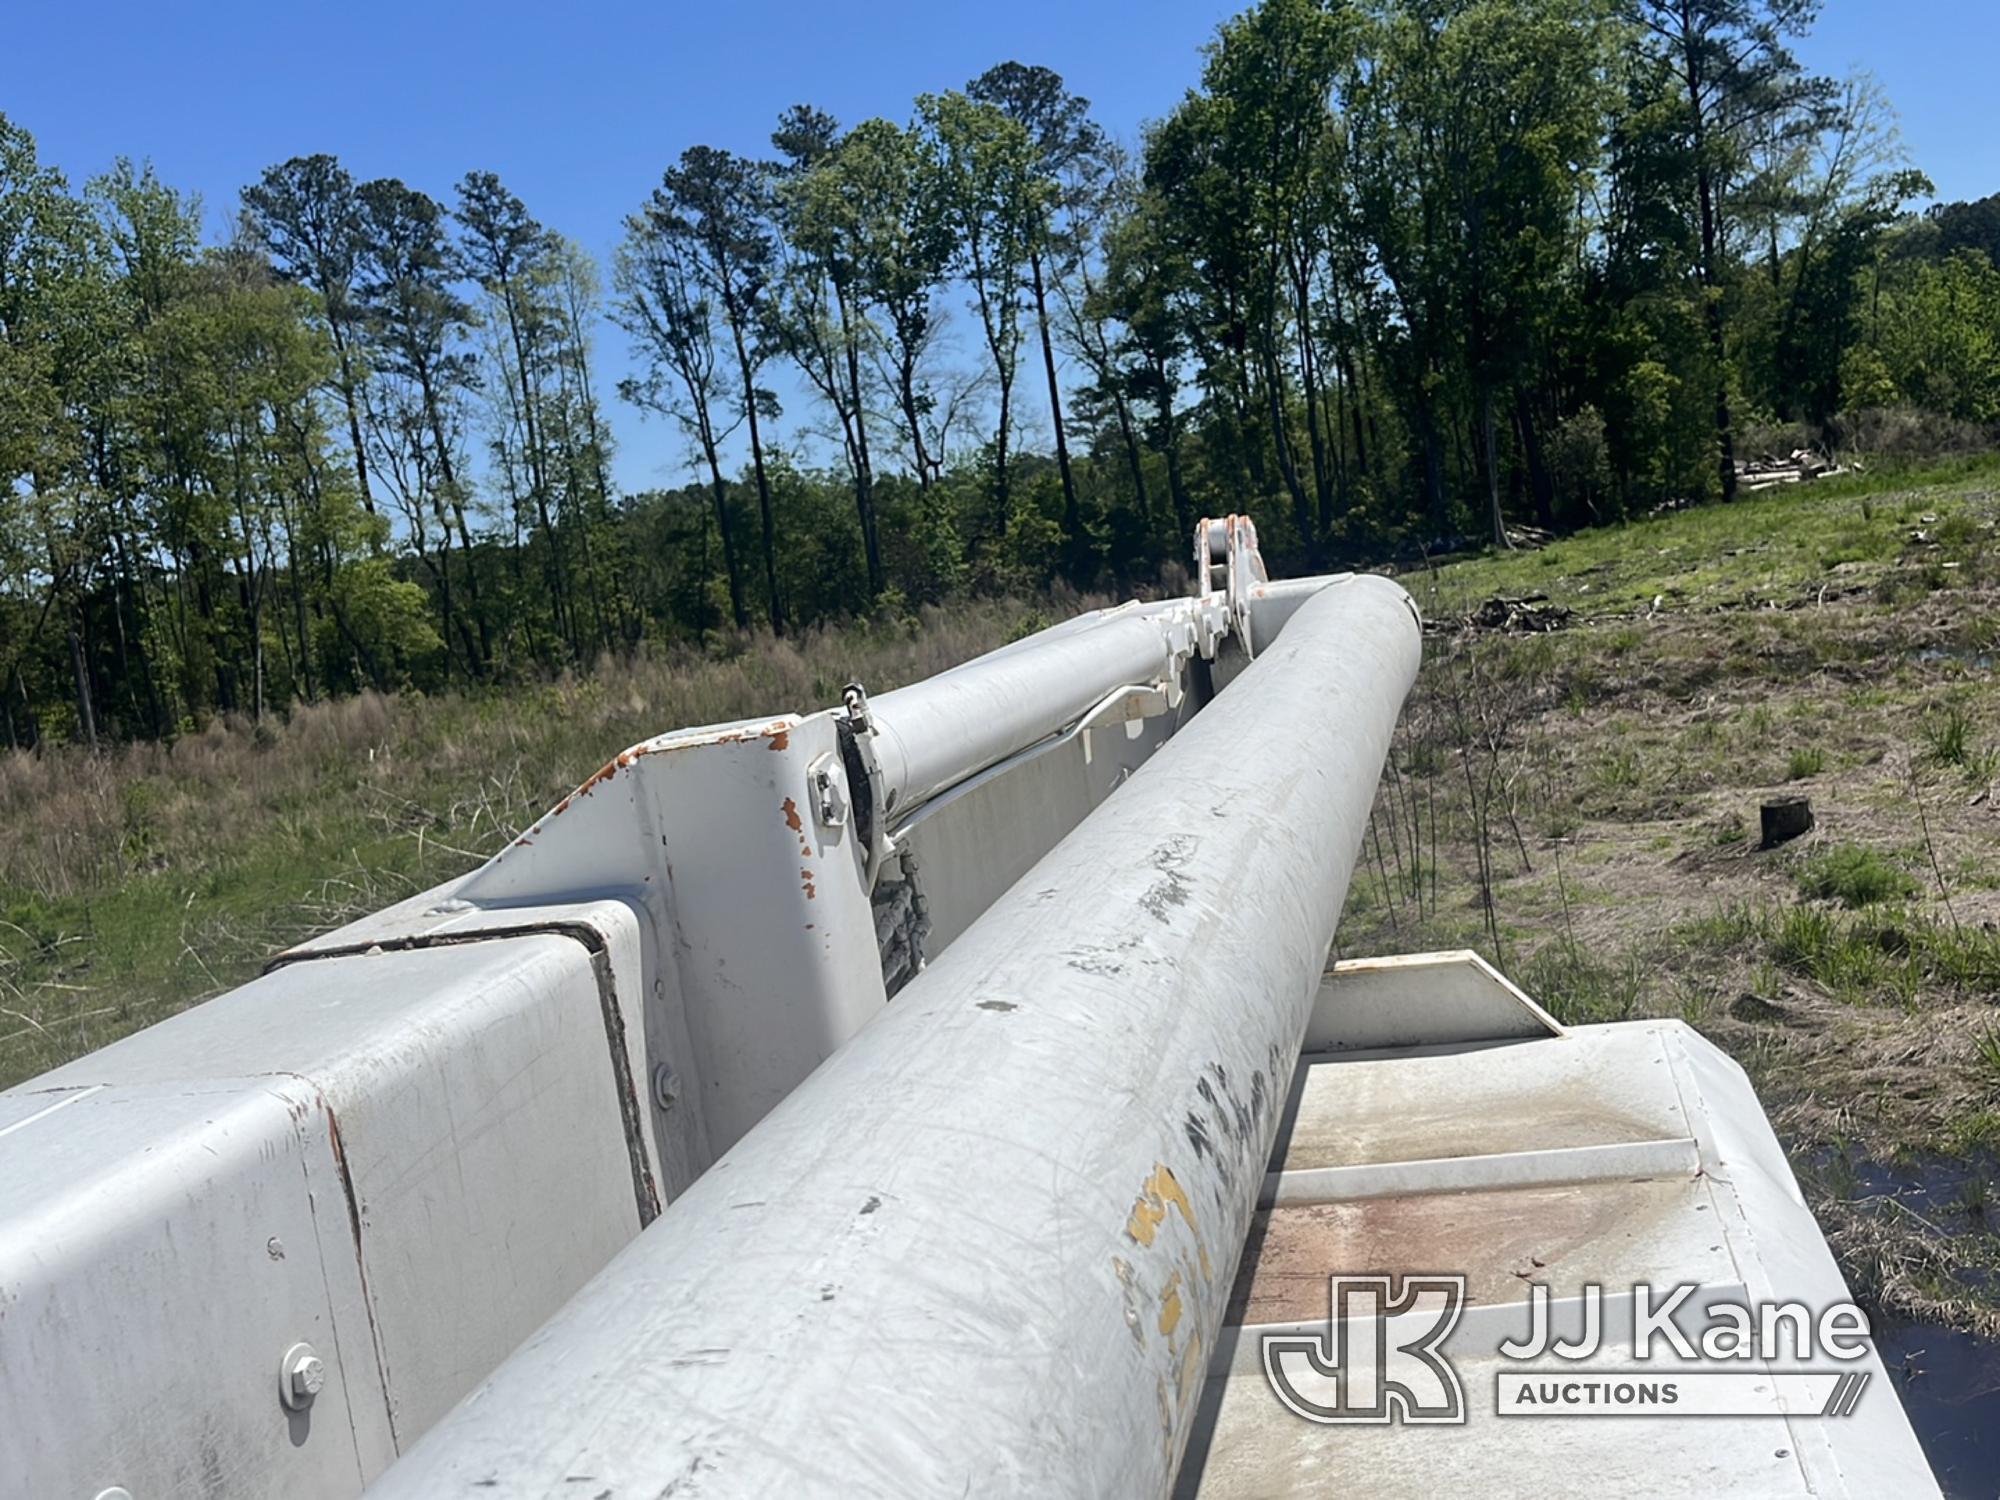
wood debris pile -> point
(1803, 466)
(1531, 614)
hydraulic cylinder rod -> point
(940, 731)
(986, 1247)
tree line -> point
(1392, 274)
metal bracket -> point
(1228, 567)
(856, 734)
(829, 797)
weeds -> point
(1854, 877)
(1947, 736)
(1987, 1050)
(1805, 763)
(1722, 930)
(1618, 770)
(1579, 989)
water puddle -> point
(1950, 1386)
(1961, 656)
(1948, 1381)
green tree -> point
(1735, 75)
(58, 328)
(308, 214)
(417, 324)
(993, 200)
(504, 249)
(1939, 337)
(820, 311)
(719, 204)
(1067, 149)
(1272, 72)
(1146, 292)
(890, 207)
(667, 309)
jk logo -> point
(1379, 1359)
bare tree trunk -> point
(721, 492)
(1725, 429)
(33, 725)
(1490, 438)
(1309, 373)
(1433, 460)
(1079, 540)
(353, 404)
(86, 712)
(1274, 391)
(763, 482)
(1134, 458)
(1539, 478)
(477, 665)
(906, 398)
(864, 469)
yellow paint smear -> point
(1170, 1306)
(1160, 1189)
(1186, 1382)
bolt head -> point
(308, 1376)
(301, 1376)
(829, 798)
(666, 1086)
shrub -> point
(1908, 435)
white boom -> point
(942, 1261)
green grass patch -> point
(1854, 877)
(1987, 1051)
(1897, 959)
(1580, 989)
(1721, 931)
(1617, 770)
(1948, 736)
(1775, 545)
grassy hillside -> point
(1584, 805)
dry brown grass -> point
(135, 882)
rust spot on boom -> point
(778, 734)
(792, 819)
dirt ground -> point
(1578, 797)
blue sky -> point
(579, 107)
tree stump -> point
(1786, 818)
